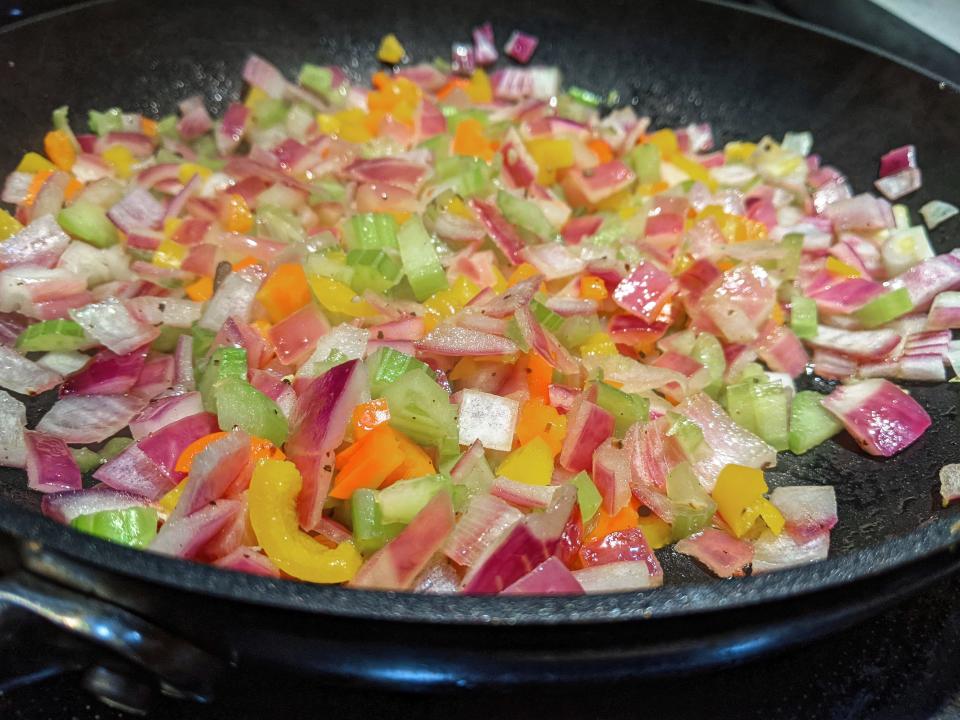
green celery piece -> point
(278, 223)
(373, 270)
(114, 446)
(771, 409)
(52, 335)
(588, 497)
(420, 408)
(167, 127)
(166, 341)
(438, 145)
(513, 334)
(87, 459)
(577, 329)
(645, 161)
(316, 78)
(455, 116)
(478, 478)
(469, 176)
(105, 122)
(739, 403)
(134, 526)
(688, 435)
(688, 520)
(369, 531)
(269, 112)
(420, 262)
(239, 404)
(792, 245)
(336, 357)
(202, 340)
(609, 234)
(693, 508)
(326, 266)
(626, 408)
(386, 366)
(708, 351)
(584, 97)
(400, 502)
(89, 223)
(525, 214)
(327, 191)
(803, 317)
(226, 362)
(371, 231)
(545, 316)
(61, 122)
(885, 308)
(810, 423)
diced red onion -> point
(553, 260)
(136, 142)
(187, 536)
(50, 465)
(137, 210)
(538, 83)
(611, 475)
(394, 171)
(110, 323)
(809, 510)
(846, 296)
(928, 279)
(295, 337)
(782, 351)
(485, 520)
(513, 298)
(484, 47)
(616, 577)
(604, 181)
(898, 160)
(135, 473)
(502, 233)
(588, 425)
(894, 187)
(772, 552)
(24, 376)
(234, 298)
(862, 344)
(65, 506)
(862, 212)
(248, 560)
(462, 60)
(521, 46)
(82, 419)
(881, 417)
(40, 243)
(194, 120)
(106, 374)
(551, 577)
(722, 553)
(213, 470)
(261, 74)
(944, 312)
(622, 546)
(523, 495)
(13, 420)
(949, 483)
(163, 412)
(936, 212)
(461, 342)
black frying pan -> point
(676, 61)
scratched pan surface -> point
(677, 62)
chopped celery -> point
(86, 458)
(456, 116)
(400, 502)
(810, 423)
(278, 223)
(514, 335)
(369, 531)
(105, 122)
(133, 526)
(577, 329)
(693, 509)
(226, 362)
(739, 404)
(269, 112)
(588, 497)
(438, 145)
(114, 446)
(327, 191)
(545, 316)
(61, 121)
(420, 409)
(626, 408)
(386, 365)
(88, 222)
(316, 78)
(373, 270)
(885, 308)
(771, 408)
(166, 341)
(202, 340)
(525, 214)
(708, 351)
(368, 231)
(478, 478)
(420, 262)
(792, 244)
(610, 233)
(167, 127)
(803, 317)
(645, 161)
(330, 265)
(466, 176)
(584, 97)
(239, 404)
(52, 335)
(688, 434)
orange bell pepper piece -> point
(538, 419)
(260, 449)
(235, 214)
(148, 127)
(57, 146)
(285, 291)
(592, 288)
(601, 149)
(201, 290)
(539, 377)
(624, 520)
(416, 463)
(366, 416)
(470, 141)
(72, 188)
(521, 273)
(368, 462)
(36, 185)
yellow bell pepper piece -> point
(739, 496)
(391, 51)
(34, 162)
(272, 498)
(598, 345)
(169, 501)
(551, 155)
(444, 303)
(695, 170)
(353, 125)
(9, 225)
(328, 124)
(735, 152)
(339, 298)
(480, 90)
(121, 159)
(837, 267)
(235, 214)
(531, 463)
(735, 228)
(521, 272)
(655, 530)
(500, 284)
(188, 170)
(254, 97)
(592, 288)
(772, 517)
(169, 254)
(666, 142)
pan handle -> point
(182, 670)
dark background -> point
(902, 664)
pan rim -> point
(673, 601)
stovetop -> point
(902, 664)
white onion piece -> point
(950, 483)
(617, 577)
(111, 324)
(82, 419)
(97, 266)
(63, 362)
(485, 520)
(936, 212)
(172, 312)
(234, 298)
(489, 418)
(24, 376)
(776, 552)
(13, 419)
(349, 340)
